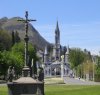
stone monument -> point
(26, 85)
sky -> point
(79, 20)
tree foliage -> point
(15, 58)
(15, 37)
(5, 40)
(19, 47)
(9, 58)
(76, 57)
(97, 69)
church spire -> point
(67, 52)
(57, 26)
(45, 55)
(57, 34)
(46, 52)
(57, 42)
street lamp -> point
(93, 61)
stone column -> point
(62, 70)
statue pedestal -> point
(26, 71)
(26, 86)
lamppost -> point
(93, 61)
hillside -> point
(13, 25)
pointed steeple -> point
(67, 52)
(57, 26)
(46, 52)
(45, 55)
(57, 34)
(57, 42)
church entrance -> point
(56, 70)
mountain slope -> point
(13, 25)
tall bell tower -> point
(56, 49)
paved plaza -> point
(66, 80)
(69, 81)
(76, 81)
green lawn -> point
(72, 90)
(64, 90)
(3, 90)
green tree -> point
(76, 57)
(5, 40)
(19, 47)
(3, 63)
(13, 38)
(15, 58)
(16, 36)
(97, 70)
(9, 58)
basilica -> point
(56, 64)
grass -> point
(54, 81)
(72, 90)
(64, 90)
(3, 90)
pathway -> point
(76, 81)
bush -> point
(97, 77)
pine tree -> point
(17, 38)
(13, 38)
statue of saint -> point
(40, 73)
(11, 73)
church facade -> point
(57, 64)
